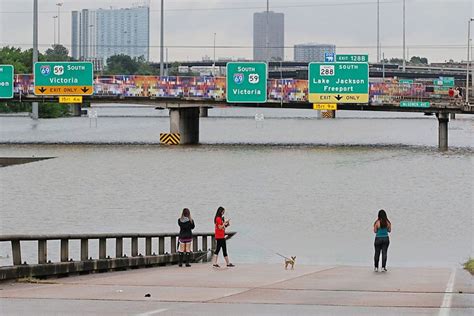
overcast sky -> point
(436, 29)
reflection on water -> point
(311, 198)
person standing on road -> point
(220, 226)
(186, 225)
(382, 227)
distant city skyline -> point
(436, 29)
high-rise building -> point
(312, 52)
(105, 32)
(268, 36)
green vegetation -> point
(14, 107)
(116, 65)
(53, 110)
(124, 64)
(46, 110)
(414, 60)
(22, 60)
(469, 266)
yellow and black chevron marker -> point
(328, 114)
(170, 138)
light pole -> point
(54, 21)
(162, 66)
(404, 62)
(59, 4)
(214, 57)
(378, 30)
(468, 61)
(34, 106)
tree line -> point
(115, 65)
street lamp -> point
(54, 21)
(59, 4)
(468, 61)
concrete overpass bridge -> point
(188, 98)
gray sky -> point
(436, 29)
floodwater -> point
(292, 184)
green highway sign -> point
(338, 82)
(6, 81)
(444, 81)
(246, 82)
(344, 58)
(64, 78)
(414, 104)
(405, 81)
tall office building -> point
(312, 52)
(99, 34)
(268, 36)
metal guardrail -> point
(103, 262)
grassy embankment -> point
(46, 110)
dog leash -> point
(263, 246)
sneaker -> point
(188, 265)
(180, 265)
(216, 265)
(376, 269)
(384, 269)
(230, 265)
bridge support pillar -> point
(203, 112)
(185, 121)
(443, 119)
(75, 109)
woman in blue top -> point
(382, 227)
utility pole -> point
(404, 56)
(468, 61)
(162, 66)
(34, 107)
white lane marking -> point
(156, 311)
(448, 295)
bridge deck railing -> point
(86, 263)
(214, 88)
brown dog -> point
(290, 261)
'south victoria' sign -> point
(63, 78)
(246, 82)
(338, 82)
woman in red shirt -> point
(220, 225)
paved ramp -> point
(248, 289)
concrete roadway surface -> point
(248, 289)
